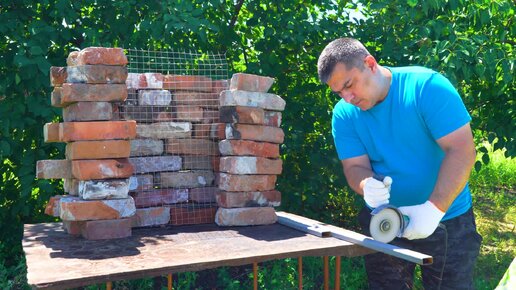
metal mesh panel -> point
(173, 97)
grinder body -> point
(387, 223)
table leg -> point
(300, 272)
(326, 273)
(255, 276)
(337, 272)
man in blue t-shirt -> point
(410, 124)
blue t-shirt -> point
(399, 134)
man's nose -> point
(347, 96)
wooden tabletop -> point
(56, 260)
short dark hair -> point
(348, 51)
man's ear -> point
(370, 63)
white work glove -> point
(424, 219)
(376, 192)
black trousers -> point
(454, 245)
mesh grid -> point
(173, 97)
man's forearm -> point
(355, 176)
(453, 175)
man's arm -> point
(460, 153)
(356, 170)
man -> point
(408, 123)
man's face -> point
(354, 85)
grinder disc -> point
(385, 225)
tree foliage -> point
(471, 42)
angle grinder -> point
(387, 221)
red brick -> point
(248, 216)
(187, 83)
(210, 116)
(72, 93)
(145, 81)
(101, 55)
(106, 229)
(219, 86)
(205, 100)
(51, 132)
(152, 216)
(248, 148)
(57, 76)
(101, 169)
(272, 118)
(192, 147)
(201, 131)
(232, 182)
(192, 215)
(218, 131)
(72, 58)
(254, 133)
(55, 99)
(52, 207)
(189, 113)
(159, 197)
(252, 99)
(242, 115)
(73, 228)
(203, 194)
(77, 209)
(96, 74)
(98, 149)
(250, 82)
(91, 131)
(248, 199)
(250, 165)
(53, 169)
(193, 162)
(88, 111)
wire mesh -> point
(173, 97)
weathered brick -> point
(96, 74)
(51, 132)
(88, 111)
(250, 165)
(201, 131)
(248, 199)
(272, 118)
(145, 81)
(218, 131)
(57, 76)
(247, 216)
(91, 131)
(187, 82)
(71, 60)
(152, 216)
(155, 164)
(55, 99)
(187, 179)
(254, 133)
(210, 116)
(101, 55)
(232, 182)
(146, 147)
(245, 147)
(71, 93)
(189, 113)
(164, 130)
(52, 207)
(250, 82)
(219, 86)
(77, 209)
(205, 100)
(252, 99)
(106, 229)
(164, 116)
(158, 197)
(141, 182)
(242, 115)
(145, 114)
(192, 215)
(98, 149)
(101, 169)
(203, 194)
(154, 97)
(73, 228)
(53, 169)
(192, 147)
(71, 186)
(194, 162)
(103, 189)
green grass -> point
(494, 197)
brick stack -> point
(250, 153)
(175, 150)
(96, 169)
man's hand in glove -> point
(424, 219)
(377, 192)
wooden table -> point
(56, 260)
